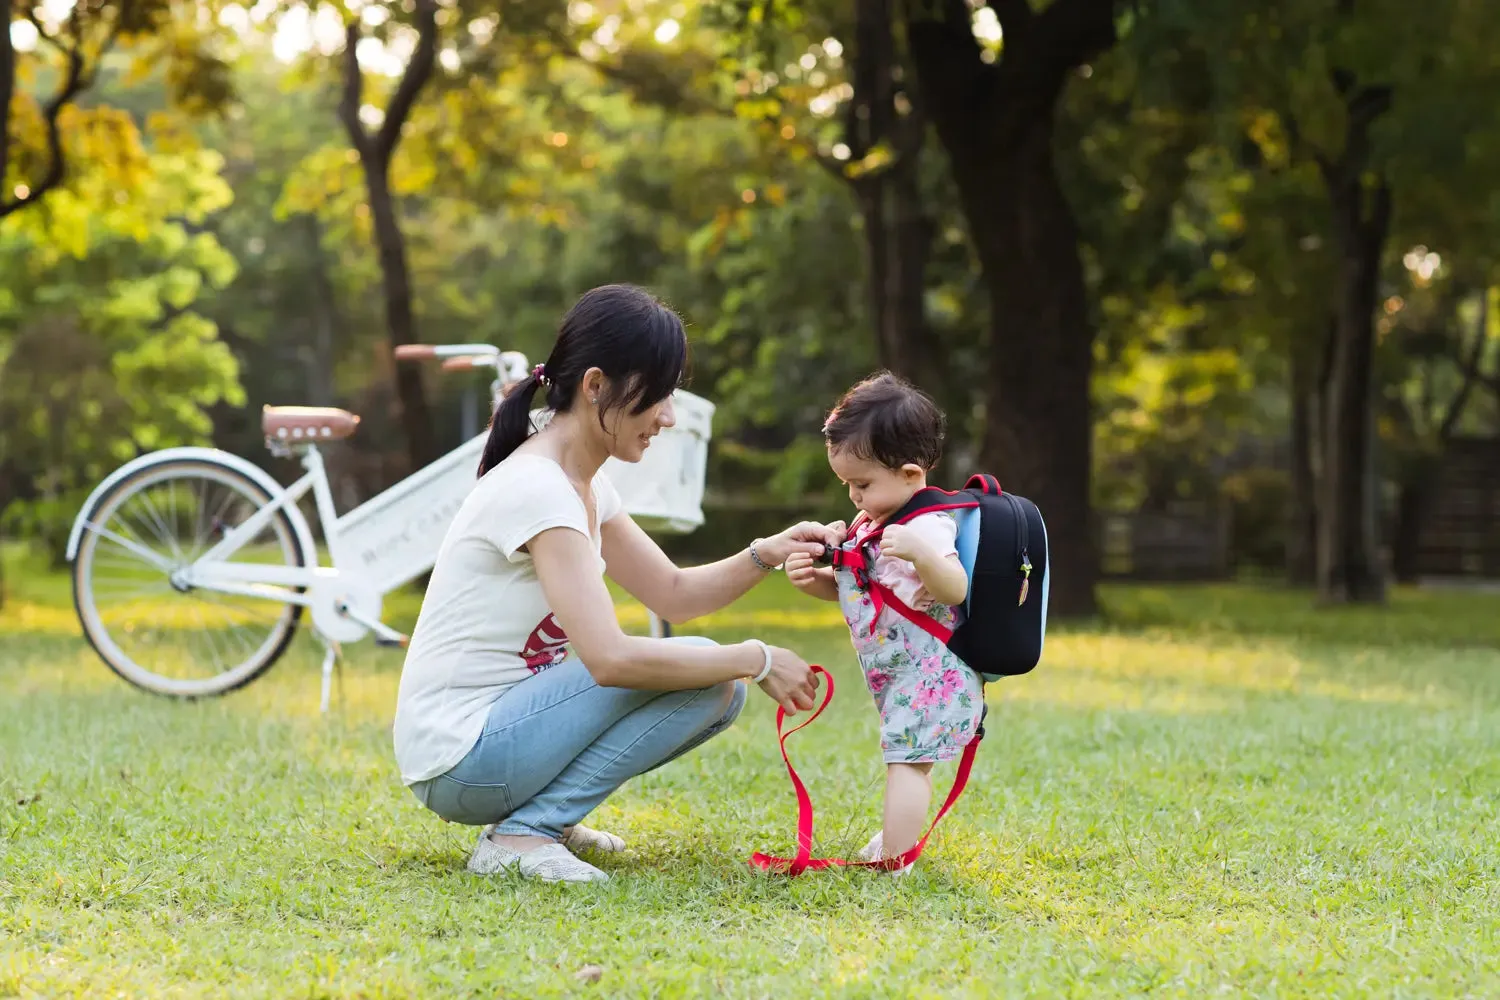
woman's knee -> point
(724, 700)
(469, 803)
(734, 702)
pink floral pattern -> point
(930, 702)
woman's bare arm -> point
(676, 594)
(565, 566)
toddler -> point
(883, 438)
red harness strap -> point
(804, 861)
(881, 595)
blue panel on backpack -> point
(1046, 583)
(967, 544)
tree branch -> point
(349, 98)
(950, 71)
(72, 83)
(1015, 16)
(418, 71)
(1068, 34)
(7, 88)
(1469, 363)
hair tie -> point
(540, 374)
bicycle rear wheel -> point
(180, 641)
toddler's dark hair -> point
(888, 420)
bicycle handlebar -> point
(467, 363)
(427, 352)
(510, 366)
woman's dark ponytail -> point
(511, 423)
(625, 332)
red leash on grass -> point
(804, 861)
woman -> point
(496, 721)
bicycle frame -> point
(394, 537)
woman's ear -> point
(591, 385)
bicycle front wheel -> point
(167, 639)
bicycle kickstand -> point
(333, 656)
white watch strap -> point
(765, 670)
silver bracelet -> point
(765, 670)
(759, 562)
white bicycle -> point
(192, 566)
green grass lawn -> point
(1222, 791)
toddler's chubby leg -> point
(908, 795)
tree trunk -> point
(375, 152)
(322, 352)
(898, 245)
(1039, 424)
(416, 418)
(1349, 567)
(1302, 521)
(897, 230)
(996, 123)
(907, 337)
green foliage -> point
(109, 355)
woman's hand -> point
(791, 682)
(806, 536)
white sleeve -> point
(607, 501)
(529, 499)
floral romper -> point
(930, 702)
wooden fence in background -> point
(1460, 537)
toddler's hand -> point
(801, 570)
(900, 542)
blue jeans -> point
(557, 744)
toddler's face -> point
(873, 488)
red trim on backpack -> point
(985, 482)
(935, 508)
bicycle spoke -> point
(140, 550)
(163, 530)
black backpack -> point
(1002, 543)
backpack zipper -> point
(1024, 539)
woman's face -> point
(627, 435)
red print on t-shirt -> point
(546, 646)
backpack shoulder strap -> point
(929, 500)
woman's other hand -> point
(791, 682)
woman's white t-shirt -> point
(484, 624)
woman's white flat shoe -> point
(581, 838)
(551, 863)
